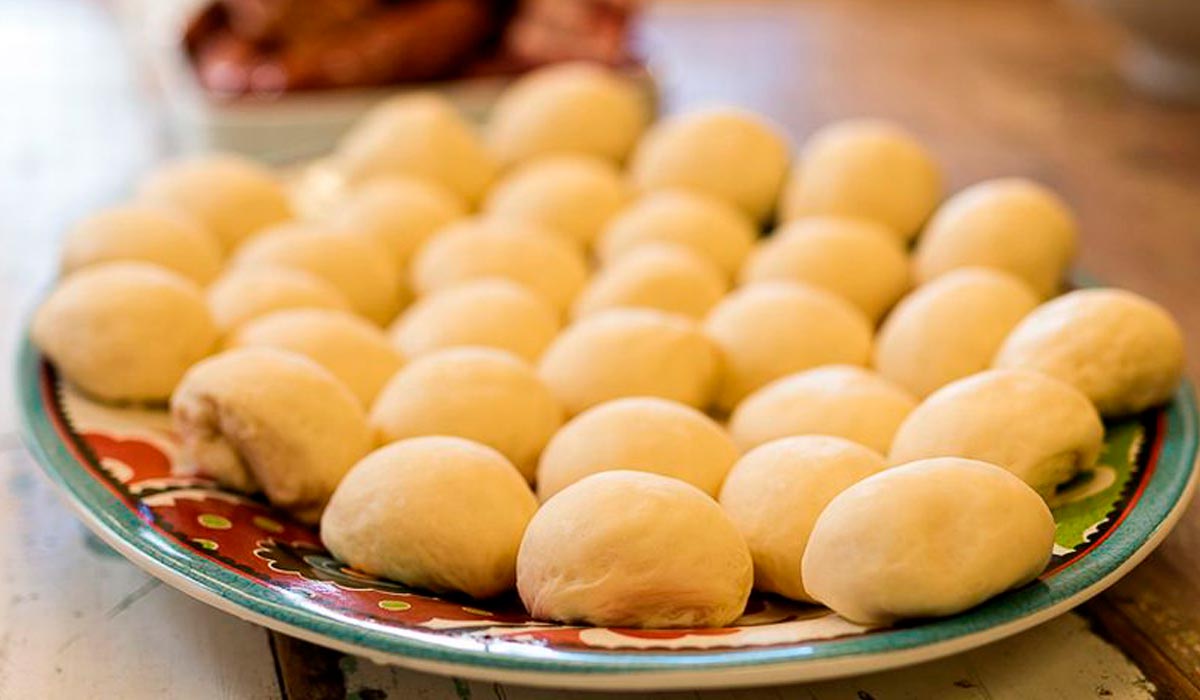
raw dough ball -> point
(473, 249)
(926, 539)
(494, 313)
(1041, 429)
(641, 434)
(418, 135)
(481, 394)
(728, 153)
(572, 195)
(440, 513)
(351, 348)
(773, 329)
(400, 213)
(662, 276)
(140, 233)
(839, 400)
(124, 331)
(568, 108)
(708, 226)
(249, 292)
(859, 260)
(234, 198)
(1123, 351)
(950, 328)
(865, 168)
(775, 493)
(630, 352)
(633, 549)
(261, 419)
(358, 267)
(1011, 224)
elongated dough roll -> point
(143, 233)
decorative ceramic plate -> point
(235, 553)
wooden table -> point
(995, 87)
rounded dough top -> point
(143, 233)
(242, 294)
(663, 276)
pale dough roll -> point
(439, 513)
(242, 294)
(641, 434)
(351, 348)
(572, 195)
(926, 539)
(495, 313)
(708, 226)
(727, 153)
(950, 328)
(261, 419)
(124, 331)
(481, 394)
(633, 549)
(1041, 429)
(773, 329)
(630, 352)
(865, 168)
(840, 400)
(143, 233)
(775, 493)
(1010, 224)
(662, 276)
(1122, 350)
(567, 108)
(859, 260)
(234, 198)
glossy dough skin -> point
(1122, 350)
(246, 293)
(926, 539)
(632, 549)
(1041, 429)
(640, 434)
(662, 276)
(439, 513)
(124, 331)
(142, 233)
(775, 493)
(261, 419)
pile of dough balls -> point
(631, 370)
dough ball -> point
(642, 434)
(400, 213)
(418, 135)
(261, 419)
(708, 226)
(727, 153)
(633, 549)
(1041, 429)
(568, 108)
(571, 195)
(234, 198)
(950, 328)
(481, 394)
(773, 329)
(630, 352)
(926, 539)
(124, 331)
(1010, 224)
(358, 267)
(865, 168)
(775, 493)
(1123, 351)
(524, 253)
(840, 400)
(495, 313)
(246, 293)
(142, 233)
(662, 276)
(351, 348)
(439, 513)
(859, 260)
